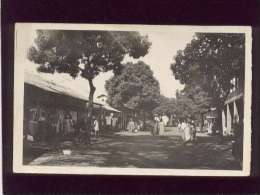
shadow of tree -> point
(148, 152)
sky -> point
(165, 45)
(161, 54)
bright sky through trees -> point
(164, 46)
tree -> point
(210, 61)
(198, 100)
(85, 53)
(166, 106)
(135, 88)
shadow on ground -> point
(147, 152)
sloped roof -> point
(108, 107)
(105, 104)
(52, 86)
(61, 84)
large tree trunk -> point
(91, 97)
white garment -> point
(187, 134)
(156, 118)
(183, 125)
(96, 125)
(165, 119)
(108, 120)
(161, 128)
(210, 128)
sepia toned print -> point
(132, 100)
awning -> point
(108, 107)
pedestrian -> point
(68, 126)
(187, 132)
(165, 119)
(193, 130)
(161, 126)
(109, 121)
(114, 122)
(179, 126)
(96, 127)
(131, 125)
(85, 129)
(156, 125)
(182, 127)
(102, 124)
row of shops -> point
(52, 108)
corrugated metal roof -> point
(108, 107)
(60, 85)
(53, 86)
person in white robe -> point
(161, 126)
(165, 119)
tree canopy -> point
(135, 88)
(86, 53)
(192, 102)
(100, 51)
(166, 105)
(211, 60)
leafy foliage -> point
(99, 51)
(87, 53)
(211, 60)
(134, 88)
(192, 102)
(166, 105)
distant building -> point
(102, 98)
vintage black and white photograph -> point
(132, 99)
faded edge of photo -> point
(21, 30)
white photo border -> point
(18, 167)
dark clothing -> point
(193, 131)
(155, 130)
(85, 130)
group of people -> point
(110, 121)
(45, 127)
(187, 128)
(87, 126)
(160, 122)
(134, 125)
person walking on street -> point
(182, 127)
(68, 127)
(96, 127)
(179, 126)
(85, 129)
(193, 131)
(109, 121)
(165, 119)
(161, 126)
(131, 125)
(156, 125)
(186, 131)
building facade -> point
(233, 111)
